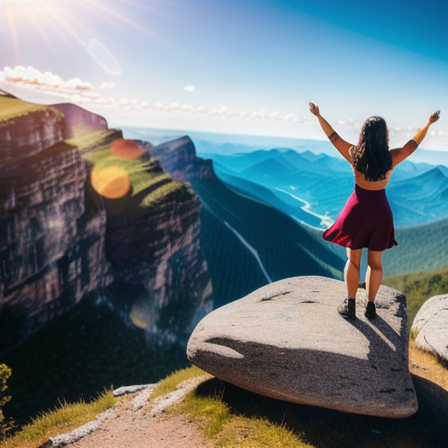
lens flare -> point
(126, 149)
(103, 57)
(112, 182)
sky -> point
(235, 66)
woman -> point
(366, 219)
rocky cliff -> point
(62, 237)
(27, 129)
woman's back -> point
(360, 178)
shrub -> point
(5, 425)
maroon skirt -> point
(365, 221)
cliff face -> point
(27, 129)
(51, 247)
(152, 240)
(79, 121)
(178, 157)
(59, 238)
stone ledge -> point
(287, 341)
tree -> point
(5, 425)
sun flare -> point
(112, 182)
(51, 21)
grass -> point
(427, 366)
(150, 184)
(93, 141)
(63, 419)
(419, 287)
(217, 421)
(12, 107)
(171, 382)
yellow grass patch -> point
(426, 366)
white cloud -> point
(107, 85)
(190, 88)
(34, 79)
(44, 87)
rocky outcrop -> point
(79, 121)
(287, 341)
(26, 129)
(59, 238)
(178, 157)
(431, 326)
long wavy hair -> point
(371, 156)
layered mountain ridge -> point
(417, 192)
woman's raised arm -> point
(400, 154)
(339, 143)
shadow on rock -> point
(326, 428)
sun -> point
(65, 20)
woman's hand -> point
(314, 109)
(434, 116)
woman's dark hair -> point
(371, 156)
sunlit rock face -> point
(26, 129)
(287, 341)
(79, 121)
(81, 207)
(430, 327)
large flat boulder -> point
(287, 341)
(431, 326)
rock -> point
(431, 326)
(287, 341)
(176, 156)
(78, 433)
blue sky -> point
(237, 66)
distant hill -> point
(419, 287)
(422, 198)
(248, 243)
(420, 248)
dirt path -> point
(136, 423)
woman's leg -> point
(374, 275)
(351, 275)
(351, 272)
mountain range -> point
(314, 187)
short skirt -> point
(365, 221)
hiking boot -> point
(370, 310)
(348, 308)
